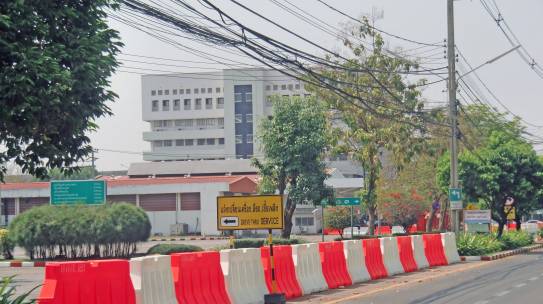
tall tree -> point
(56, 57)
(81, 173)
(293, 141)
(376, 113)
(505, 168)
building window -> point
(220, 122)
(268, 87)
(201, 141)
(217, 90)
(166, 92)
(209, 103)
(186, 104)
(187, 91)
(269, 100)
(221, 141)
(209, 90)
(296, 95)
(157, 143)
(179, 142)
(174, 92)
(202, 90)
(275, 87)
(201, 123)
(159, 92)
(297, 86)
(290, 86)
(153, 93)
(304, 221)
(249, 118)
(286, 97)
(189, 142)
(283, 87)
(249, 97)
(220, 103)
(307, 95)
(237, 97)
(167, 143)
(198, 104)
(176, 105)
(210, 141)
(238, 118)
(154, 105)
(196, 91)
(239, 139)
(165, 105)
(249, 138)
(181, 91)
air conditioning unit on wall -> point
(179, 229)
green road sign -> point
(89, 192)
(344, 201)
(455, 194)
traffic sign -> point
(89, 192)
(249, 212)
(455, 197)
(477, 216)
(344, 201)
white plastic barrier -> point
(356, 265)
(391, 255)
(449, 245)
(244, 275)
(307, 263)
(152, 279)
(418, 251)
(397, 229)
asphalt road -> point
(516, 279)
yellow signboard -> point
(510, 211)
(472, 206)
(249, 212)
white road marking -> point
(520, 285)
(481, 302)
(533, 278)
(503, 293)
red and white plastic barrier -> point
(242, 275)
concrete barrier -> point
(391, 257)
(308, 267)
(356, 265)
(449, 245)
(418, 251)
(152, 280)
(244, 275)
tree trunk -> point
(518, 222)
(430, 220)
(501, 224)
(371, 222)
(443, 217)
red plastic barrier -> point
(198, 278)
(285, 274)
(330, 231)
(512, 226)
(412, 228)
(374, 258)
(90, 282)
(383, 230)
(334, 265)
(433, 249)
(405, 249)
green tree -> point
(337, 218)
(376, 114)
(293, 141)
(504, 168)
(57, 58)
(80, 173)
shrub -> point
(477, 244)
(8, 295)
(257, 243)
(338, 218)
(6, 244)
(172, 248)
(540, 233)
(516, 239)
(80, 231)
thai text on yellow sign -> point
(249, 212)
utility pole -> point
(453, 106)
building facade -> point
(210, 115)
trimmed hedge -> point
(172, 248)
(80, 231)
(257, 243)
(482, 244)
(516, 239)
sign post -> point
(342, 201)
(252, 213)
(70, 192)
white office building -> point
(212, 115)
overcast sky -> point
(477, 36)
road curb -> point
(501, 255)
(19, 264)
(188, 239)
